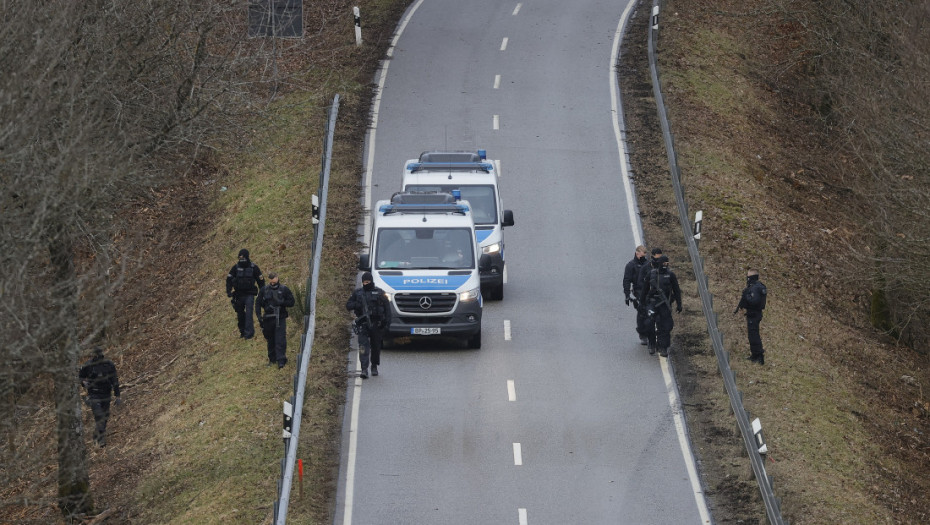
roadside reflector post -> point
(655, 17)
(288, 419)
(698, 218)
(358, 26)
(760, 439)
(315, 208)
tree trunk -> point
(74, 495)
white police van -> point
(475, 177)
(423, 254)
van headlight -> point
(470, 295)
(389, 297)
(491, 248)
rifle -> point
(364, 321)
(273, 304)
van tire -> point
(497, 293)
(474, 342)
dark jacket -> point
(631, 280)
(244, 278)
(754, 295)
(378, 306)
(271, 298)
(658, 285)
(98, 376)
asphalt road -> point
(562, 417)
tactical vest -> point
(660, 286)
(245, 278)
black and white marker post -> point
(358, 26)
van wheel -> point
(474, 341)
(497, 294)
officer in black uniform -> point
(241, 286)
(372, 315)
(753, 302)
(273, 302)
(632, 285)
(98, 377)
(660, 289)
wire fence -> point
(293, 407)
(772, 503)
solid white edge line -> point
(517, 455)
(673, 401)
(372, 133)
(511, 390)
(506, 330)
(521, 516)
(618, 133)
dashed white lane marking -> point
(496, 123)
(497, 81)
(517, 9)
(507, 330)
(511, 391)
(504, 44)
(521, 516)
(517, 454)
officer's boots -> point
(663, 352)
(652, 348)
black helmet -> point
(244, 253)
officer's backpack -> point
(764, 293)
(245, 278)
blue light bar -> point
(441, 166)
(423, 208)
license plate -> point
(424, 331)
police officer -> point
(642, 309)
(241, 286)
(753, 302)
(273, 302)
(98, 377)
(372, 315)
(660, 289)
(632, 286)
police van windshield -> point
(481, 198)
(425, 248)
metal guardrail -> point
(772, 503)
(286, 481)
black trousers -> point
(244, 305)
(101, 410)
(641, 327)
(753, 319)
(369, 346)
(275, 333)
(659, 330)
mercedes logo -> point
(425, 302)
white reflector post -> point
(315, 209)
(760, 439)
(288, 419)
(358, 26)
(698, 217)
(655, 17)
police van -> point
(475, 177)
(423, 254)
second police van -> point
(423, 254)
(476, 178)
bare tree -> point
(99, 100)
(870, 67)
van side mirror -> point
(364, 262)
(484, 263)
(508, 218)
